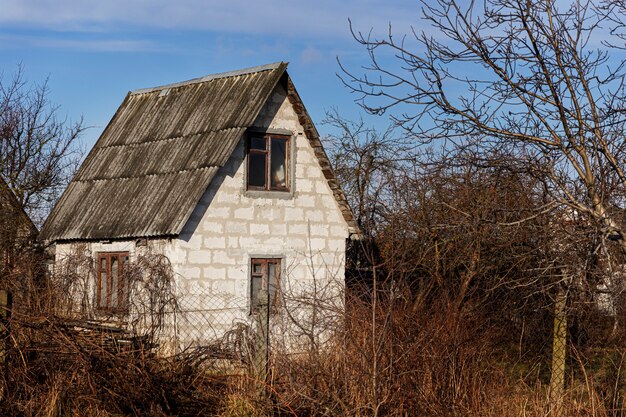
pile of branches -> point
(55, 367)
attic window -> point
(268, 162)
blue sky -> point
(95, 52)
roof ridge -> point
(210, 77)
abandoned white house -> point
(224, 175)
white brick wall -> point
(305, 229)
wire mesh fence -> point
(217, 322)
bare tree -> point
(38, 149)
(529, 79)
(541, 82)
(365, 161)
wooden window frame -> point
(267, 152)
(264, 275)
(122, 290)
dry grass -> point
(406, 362)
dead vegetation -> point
(381, 356)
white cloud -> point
(310, 55)
(322, 18)
(100, 45)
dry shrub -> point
(62, 369)
(433, 360)
(64, 361)
(391, 359)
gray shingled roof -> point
(159, 153)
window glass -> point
(272, 281)
(278, 170)
(114, 280)
(111, 289)
(257, 284)
(256, 170)
(268, 163)
(104, 288)
(257, 143)
(265, 274)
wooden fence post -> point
(6, 302)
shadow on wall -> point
(228, 170)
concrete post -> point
(559, 352)
(261, 348)
(5, 313)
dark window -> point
(111, 292)
(264, 274)
(268, 163)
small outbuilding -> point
(225, 177)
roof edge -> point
(327, 170)
(210, 77)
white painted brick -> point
(303, 144)
(275, 242)
(306, 201)
(223, 257)
(190, 272)
(304, 185)
(328, 202)
(317, 244)
(215, 227)
(305, 156)
(270, 214)
(236, 227)
(298, 229)
(278, 229)
(227, 197)
(245, 213)
(337, 245)
(319, 229)
(195, 286)
(215, 242)
(194, 243)
(301, 171)
(176, 254)
(335, 216)
(233, 242)
(229, 184)
(248, 242)
(322, 188)
(223, 286)
(339, 231)
(315, 215)
(241, 287)
(212, 272)
(294, 214)
(259, 229)
(314, 172)
(199, 257)
(216, 211)
(296, 243)
(236, 272)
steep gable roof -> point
(158, 155)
